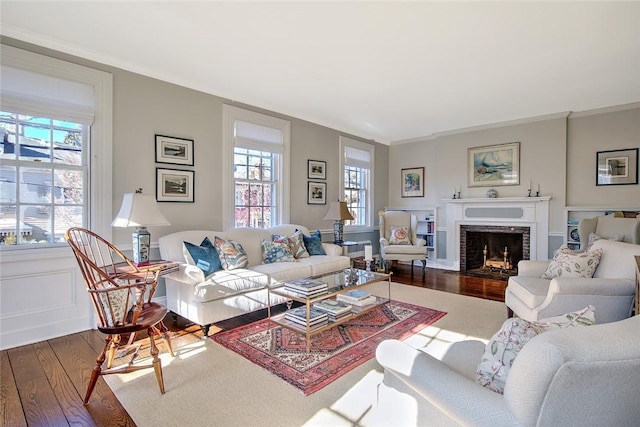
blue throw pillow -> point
(204, 256)
(313, 243)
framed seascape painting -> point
(317, 193)
(316, 169)
(412, 182)
(175, 151)
(494, 165)
(174, 185)
(617, 167)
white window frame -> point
(350, 142)
(100, 151)
(230, 115)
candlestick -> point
(368, 253)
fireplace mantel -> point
(530, 212)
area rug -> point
(333, 353)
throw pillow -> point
(313, 243)
(399, 236)
(593, 237)
(231, 253)
(567, 263)
(276, 251)
(504, 346)
(296, 243)
(114, 304)
(205, 256)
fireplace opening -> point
(493, 251)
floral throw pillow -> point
(568, 263)
(399, 236)
(296, 243)
(504, 346)
(276, 251)
(231, 253)
(593, 237)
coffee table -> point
(337, 284)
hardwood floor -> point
(43, 384)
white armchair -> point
(609, 227)
(611, 290)
(398, 238)
(585, 376)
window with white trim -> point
(357, 184)
(259, 147)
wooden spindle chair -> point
(121, 295)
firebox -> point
(491, 248)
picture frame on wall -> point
(173, 185)
(316, 169)
(617, 167)
(174, 151)
(412, 180)
(494, 165)
(316, 193)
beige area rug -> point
(209, 385)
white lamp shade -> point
(338, 211)
(139, 210)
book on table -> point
(306, 285)
(299, 315)
(332, 307)
(303, 294)
(371, 299)
(355, 294)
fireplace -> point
(493, 251)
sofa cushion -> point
(296, 243)
(281, 271)
(205, 256)
(277, 250)
(532, 291)
(313, 243)
(504, 346)
(399, 236)
(324, 264)
(567, 263)
(224, 283)
(231, 253)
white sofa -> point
(611, 290)
(225, 294)
(585, 376)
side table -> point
(345, 246)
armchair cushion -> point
(567, 263)
(399, 236)
(504, 346)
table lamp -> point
(339, 212)
(140, 211)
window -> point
(42, 178)
(357, 184)
(259, 156)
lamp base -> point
(337, 232)
(141, 246)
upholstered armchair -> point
(398, 238)
(609, 227)
(610, 290)
(582, 376)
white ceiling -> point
(388, 71)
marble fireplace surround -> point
(532, 212)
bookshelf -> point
(575, 214)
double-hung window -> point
(357, 182)
(259, 147)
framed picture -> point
(174, 185)
(412, 182)
(494, 165)
(617, 167)
(175, 151)
(317, 193)
(316, 169)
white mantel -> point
(532, 212)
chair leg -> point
(157, 364)
(509, 313)
(164, 331)
(112, 350)
(97, 370)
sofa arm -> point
(590, 286)
(532, 268)
(460, 398)
(332, 249)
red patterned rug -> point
(333, 353)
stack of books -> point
(317, 319)
(307, 288)
(357, 298)
(336, 310)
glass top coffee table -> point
(338, 283)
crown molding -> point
(605, 110)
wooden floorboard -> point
(43, 384)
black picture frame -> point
(316, 193)
(316, 169)
(174, 151)
(175, 185)
(617, 167)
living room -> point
(558, 152)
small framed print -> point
(174, 151)
(174, 185)
(412, 182)
(317, 193)
(316, 169)
(617, 167)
